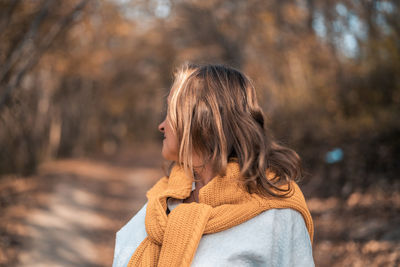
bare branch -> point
(35, 57)
(7, 14)
(16, 54)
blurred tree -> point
(327, 74)
(28, 31)
(25, 49)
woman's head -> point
(212, 116)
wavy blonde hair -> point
(214, 112)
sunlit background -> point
(83, 87)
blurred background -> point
(83, 86)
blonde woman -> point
(230, 198)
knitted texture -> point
(223, 203)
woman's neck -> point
(203, 175)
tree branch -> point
(35, 57)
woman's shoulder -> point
(286, 216)
(275, 237)
(276, 222)
(268, 228)
(284, 226)
(129, 237)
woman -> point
(230, 198)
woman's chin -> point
(168, 156)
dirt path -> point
(77, 213)
(69, 213)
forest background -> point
(87, 79)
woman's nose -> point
(161, 126)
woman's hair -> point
(214, 112)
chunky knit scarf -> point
(223, 203)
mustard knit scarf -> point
(223, 203)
